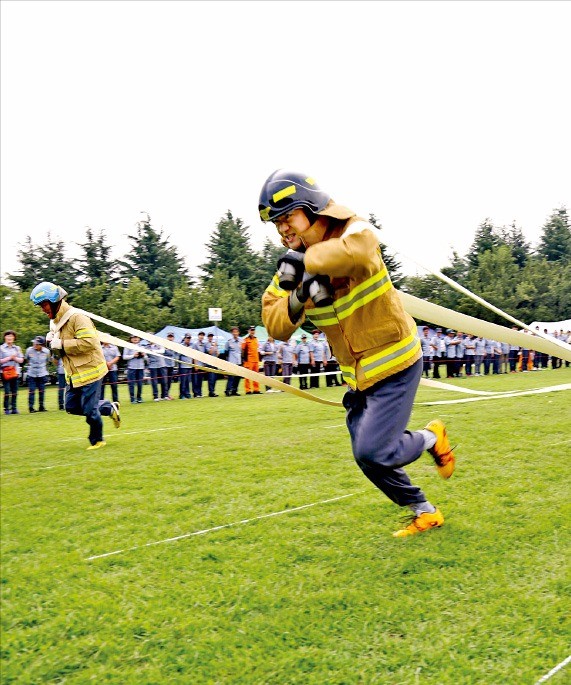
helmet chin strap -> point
(54, 308)
(316, 232)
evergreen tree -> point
(19, 314)
(515, 240)
(45, 262)
(154, 262)
(428, 288)
(190, 305)
(485, 239)
(96, 264)
(92, 298)
(135, 305)
(267, 266)
(555, 241)
(495, 279)
(229, 250)
(391, 262)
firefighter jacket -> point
(250, 349)
(371, 335)
(81, 351)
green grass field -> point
(318, 595)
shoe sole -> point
(116, 416)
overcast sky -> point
(431, 115)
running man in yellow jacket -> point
(74, 336)
(338, 280)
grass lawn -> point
(319, 595)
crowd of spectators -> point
(453, 354)
(446, 354)
(283, 360)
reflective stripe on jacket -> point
(371, 335)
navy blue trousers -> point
(36, 383)
(185, 378)
(377, 420)
(159, 379)
(85, 401)
(135, 383)
(111, 379)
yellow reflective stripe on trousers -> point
(275, 289)
(82, 333)
(365, 292)
(392, 356)
(89, 375)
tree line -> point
(150, 286)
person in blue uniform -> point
(185, 370)
(303, 360)
(37, 357)
(198, 376)
(234, 356)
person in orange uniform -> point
(373, 338)
(251, 358)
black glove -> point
(290, 269)
(315, 286)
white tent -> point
(552, 326)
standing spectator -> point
(304, 360)
(513, 354)
(212, 349)
(544, 355)
(438, 349)
(61, 385)
(251, 359)
(544, 358)
(555, 361)
(37, 357)
(198, 375)
(469, 353)
(523, 356)
(269, 353)
(479, 354)
(451, 342)
(74, 334)
(184, 370)
(170, 357)
(504, 358)
(157, 371)
(460, 354)
(496, 356)
(285, 356)
(234, 349)
(112, 356)
(427, 350)
(10, 359)
(135, 370)
(488, 355)
(333, 378)
(321, 354)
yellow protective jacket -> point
(371, 335)
(82, 356)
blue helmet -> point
(47, 291)
(286, 190)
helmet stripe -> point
(285, 192)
